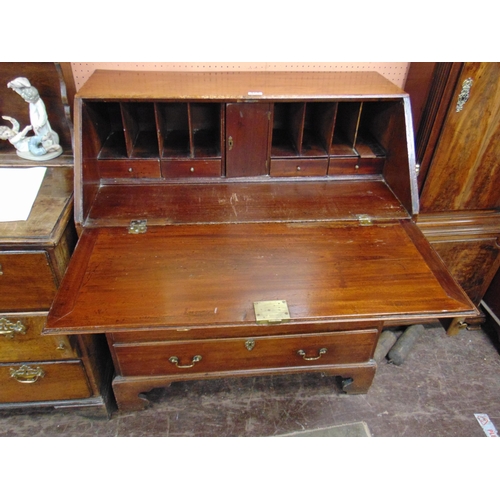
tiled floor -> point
(436, 392)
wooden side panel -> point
(465, 170)
(247, 137)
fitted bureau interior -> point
(355, 151)
(175, 131)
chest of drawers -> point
(37, 371)
(245, 224)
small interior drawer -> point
(298, 167)
(169, 358)
(27, 282)
(20, 341)
(355, 165)
(129, 169)
(43, 382)
(191, 168)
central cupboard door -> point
(247, 138)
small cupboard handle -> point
(175, 361)
(322, 351)
(26, 374)
(9, 329)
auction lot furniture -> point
(244, 224)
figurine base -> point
(45, 157)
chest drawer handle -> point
(322, 351)
(10, 329)
(175, 361)
(26, 374)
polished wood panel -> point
(210, 275)
(155, 85)
(278, 201)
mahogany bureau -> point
(245, 224)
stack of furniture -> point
(244, 224)
(36, 371)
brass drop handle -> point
(322, 351)
(9, 329)
(230, 143)
(26, 374)
(175, 361)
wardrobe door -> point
(465, 171)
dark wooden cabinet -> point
(458, 141)
(38, 371)
(265, 227)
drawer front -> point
(191, 168)
(129, 169)
(43, 382)
(174, 358)
(27, 282)
(372, 165)
(355, 165)
(21, 340)
(298, 167)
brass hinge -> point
(138, 226)
(365, 220)
(271, 311)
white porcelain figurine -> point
(44, 145)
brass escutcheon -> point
(250, 344)
(464, 95)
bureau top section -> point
(152, 85)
